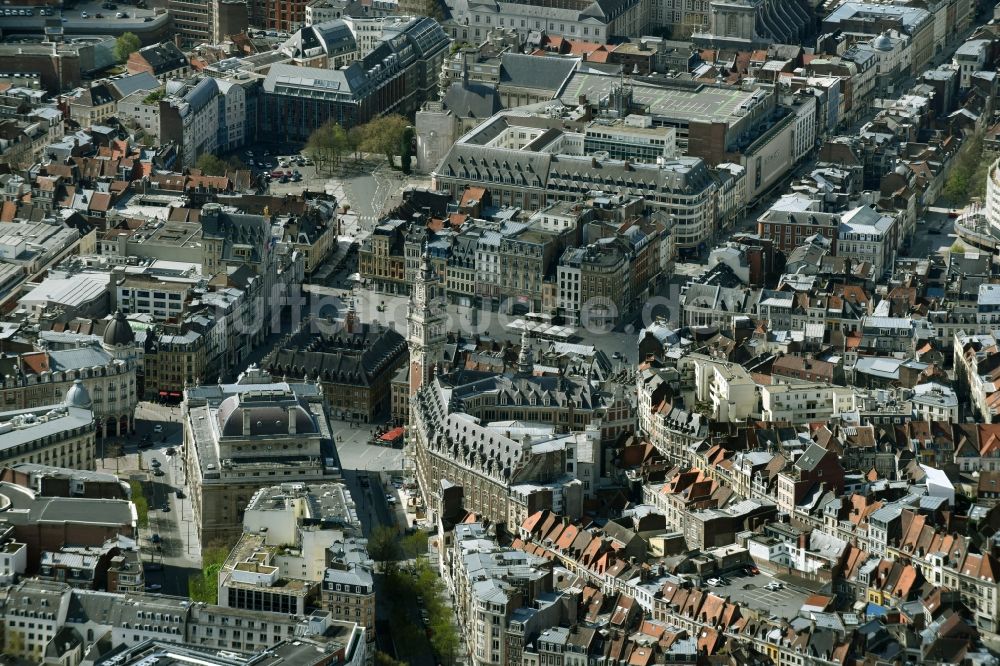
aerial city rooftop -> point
(500, 333)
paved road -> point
(180, 550)
(373, 510)
(356, 454)
(935, 234)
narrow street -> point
(169, 544)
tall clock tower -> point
(425, 324)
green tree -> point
(406, 149)
(414, 545)
(205, 586)
(210, 165)
(126, 44)
(140, 502)
(327, 145)
(382, 659)
(967, 176)
(956, 188)
(234, 163)
(383, 546)
(444, 637)
(383, 136)
(355, 137)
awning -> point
(393, 434)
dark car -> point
(155, 538)
(180, 494)
(158, 472)
(165, 508)
(171, 451)
(148, 19)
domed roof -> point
(882, 43)
(118, 331)
(266, 418)
(77, 396)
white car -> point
(83, 14)
(714, 582)
(773, 586)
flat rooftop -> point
(23, 427)
(704, 103)
(24, 508)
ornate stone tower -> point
(426, 320)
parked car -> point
(180, 494)
(148, 19)
(171, 451)
(714, 582)
(155, 587)
(121, 15)
(155, 538)
(158, 428)
(98, 15)
(165, 508)
(155, 462)
(158, 472)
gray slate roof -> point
(525, 71)
(472, 100)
